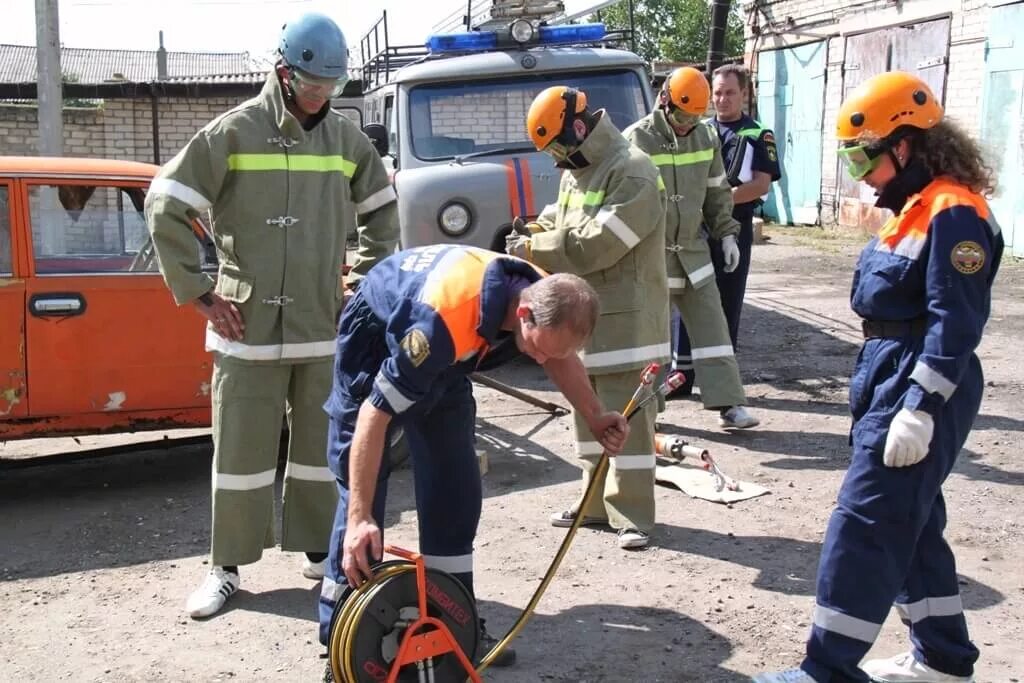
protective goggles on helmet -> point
(681, 119)
(861, 159)
(310, 87)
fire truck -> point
(451, 115)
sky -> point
(225, 25)
(215, 25)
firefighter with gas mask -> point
(608, 226)
(688, 155)
(285, 180)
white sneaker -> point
(565, 519)
(631, 539)
(737, 417)
(787, 676)
(313, 570)
(905, 669)
(207, 600)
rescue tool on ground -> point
(676, 447)
(413, 624)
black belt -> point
(894, 328)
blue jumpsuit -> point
(421, 321)
(928, 274)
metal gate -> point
(791, 97)
(1002, 123)
(922, 49)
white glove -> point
(908, 439)
(731, 251)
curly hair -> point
(946, 150)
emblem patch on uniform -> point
(968, 257)
(416, 347)
(768, 137)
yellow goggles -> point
(860, 160)
(682, 119)
(559, 151)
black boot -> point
(487, 643)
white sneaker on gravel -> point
(313, 570)
(215, 590)
(631, 539)
(787, 676)
(565, 519)
(737, 417)
(905, 669)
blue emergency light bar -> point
(571, 33)
(461, 42)
(488, 40)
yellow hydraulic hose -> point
(596, 476)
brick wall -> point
(492, 118)
(781, 23)
(117, 129)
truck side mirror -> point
(378, 135)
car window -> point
(95, 229)
(466, 117)
(86, 228)
(6, 255)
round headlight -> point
(521, 30)
(455, 219)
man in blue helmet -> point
(285, 180)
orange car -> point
(91, 339)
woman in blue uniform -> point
(923, 289)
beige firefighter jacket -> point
(608, 226)
(282, 201)
(695, 181)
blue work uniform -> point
(421, 321)
(923, 288)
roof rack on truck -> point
(380, 59)
(487, 15)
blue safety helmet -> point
(314, 44)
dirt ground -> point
(97, 556)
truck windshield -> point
(454, 119)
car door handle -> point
(59, 305)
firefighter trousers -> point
(707, 351)
(626, 497)
(249, 402)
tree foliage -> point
(674, 30)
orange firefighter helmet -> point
(552, 113)
(886, 102)
(688, 90)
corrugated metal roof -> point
(90, 66)
(247, 77)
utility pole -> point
(719, 23)
(49, 91)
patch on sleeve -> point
(416, 347)
(768, 137)
(968, 257)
